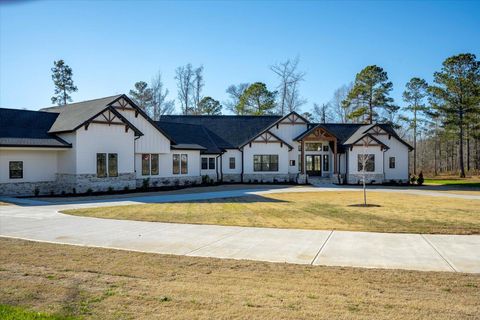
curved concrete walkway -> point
(40, 221)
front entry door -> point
(313, 165)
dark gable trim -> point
(271, 133)
(140, 111)
(115, 112)
(392, 133)
(271, 126)
(306, 133)
(371, 137)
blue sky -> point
(111, 45)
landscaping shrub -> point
(36, 191)
(420, 179)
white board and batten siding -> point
(152, 141)
(102, 138)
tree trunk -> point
(415, 141)
(461, 163)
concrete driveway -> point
(40, 221)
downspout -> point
(241, 175)
(216, 166)
(134, 159)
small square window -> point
(292, 163)
(325, 148)
(15, 169)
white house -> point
(110, 143)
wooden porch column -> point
(302, 152)
(335, 166)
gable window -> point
(113, 165)
(391, 162)
(180, 163)
(101, 165)
(326, 162)
(15, 169)
(369, 160)
(231, 162)
(268, 162)
(317, 146)
(107, 166)
(150, 164)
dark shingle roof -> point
(28, 129)
(75, 114)
(188, 136)
(227, 132)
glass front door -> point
(313, 165)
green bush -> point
(420, 179)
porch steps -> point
(321, 181)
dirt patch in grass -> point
(110, 284)
(327, 210)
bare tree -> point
(198, 84)
(341, 109)
(289, 98)
(185, 76)
(160, 104)
(234, 93)
(322, 113)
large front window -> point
(180, 163)
(150, 164)
(268, 162)
(107, 165)
(15, 169)
(367, 160)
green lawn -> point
(17, 313)
(460, 182)
(339, 210)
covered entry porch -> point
(318, 153)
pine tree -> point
(370, 92)
(256, 100)
(209, 106)
(415, 93)
(62, 79)
(142, 95)
(458, 91)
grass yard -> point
(473, 182)
(397, 212)
(17, 313)
(94, 283)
